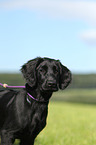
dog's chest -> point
(34, 120)
(38, 116)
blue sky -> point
(60, 29)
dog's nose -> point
(51, 83)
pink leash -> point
(6, 86)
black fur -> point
(22, 117)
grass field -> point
(69, 124)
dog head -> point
(48, 74)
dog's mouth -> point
(49, 89)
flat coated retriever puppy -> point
(23, 113)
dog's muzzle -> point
(50, 85)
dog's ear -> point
(65, 77)
(29, 70)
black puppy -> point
(23, 113)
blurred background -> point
(59, 29)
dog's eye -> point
(42, 70)
(55, 69)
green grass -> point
(69, 124)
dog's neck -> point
(38, 94)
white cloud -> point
(89, 36)
(85, 10)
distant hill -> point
(83, 81)
(78, 80)
(12, 79)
